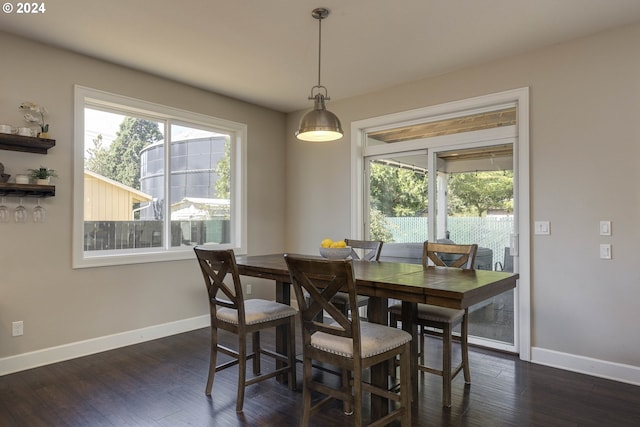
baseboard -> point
(586, 365)
(60, 353)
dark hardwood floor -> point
(161, 383)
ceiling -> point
(266, 51)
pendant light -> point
(319, 124)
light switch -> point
(605, 251)
(542, 227)
(605, 228)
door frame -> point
(519, 98)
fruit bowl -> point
(335, 253)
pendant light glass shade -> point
(319, 124)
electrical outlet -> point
(17, 328)
(249, 289)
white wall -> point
(585, 151)
(61, 306)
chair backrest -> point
(508, 260)
(215, 266)
(402, 252)
(322, 279)
(443, 254)
(371, 249)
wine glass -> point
(20, 213)
(4, 212)
(38, 212)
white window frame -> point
(87, 97)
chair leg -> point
(464, 343)
(343, 309)
(347, 406)
(422, 350)
(213, 360)
(291, 354)
(393, 320)
(393, 363)
(357, 396)
(256, 352)
(242, 372)
(446, 366)
(306, 392)
(405, 388)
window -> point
(153, 181)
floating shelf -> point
(27, 190)
(27, 144)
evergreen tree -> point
(134, 135)
(121, 161)
(98, 160)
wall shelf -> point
(27, 190)
(27, 144)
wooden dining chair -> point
(231, 312)
(345, 343)
(441, 319)
(367, 250)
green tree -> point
(98, 160)
(134, 135)
(121, 161)
(379, 229)
(478, 192)
(223, 170)
(398, 192)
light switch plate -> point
(605, 251)
(542, 227)
(605, 228)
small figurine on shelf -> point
(4, 177)
(42, 175)
(38, 118)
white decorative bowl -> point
(336, 253)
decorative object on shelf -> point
(37, 117)
(42, 175)
(6, 129)
(319, 124)
(3, 176)
(22, 179)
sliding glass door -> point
(450, 181)
(473, 200)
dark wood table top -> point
(448, 287)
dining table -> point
(383, 280)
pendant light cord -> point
(319, 48)
(318, 89)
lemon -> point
(326, 243)
(339, 244)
